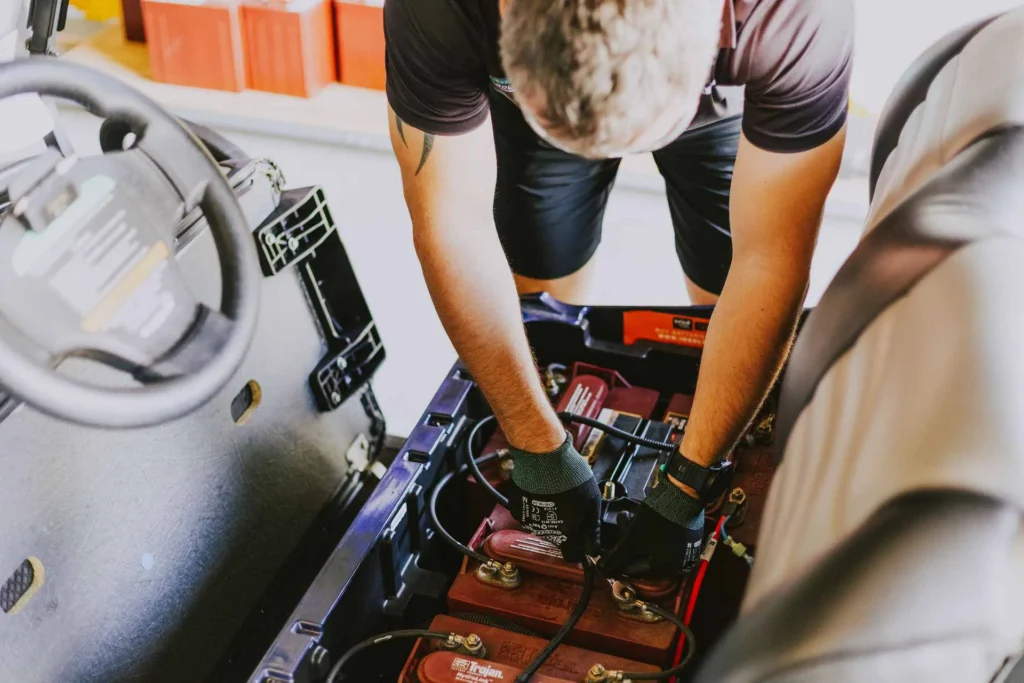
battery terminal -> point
(599, 674)
(625, 597)
(471, 645)
(735, 508)
(494, 573)
(764, 432)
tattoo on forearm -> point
(428, 144)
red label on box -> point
(681, 330)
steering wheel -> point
(87, 264)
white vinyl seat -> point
(892, 545)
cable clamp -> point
(739, 550)
(598, 674)
(625, 597)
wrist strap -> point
(708, 482)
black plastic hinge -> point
(354, 349)
(301, 223)
(341, 374)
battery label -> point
(666, 328)
(98, 263)
(475, 672)
(593, 442)
(677, 420)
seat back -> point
(976, 91)
(915, 594)
(908, 378)
(911, 91)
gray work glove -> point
(664, 538)
(554, 496)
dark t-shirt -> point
(784, 63)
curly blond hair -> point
(603, 70)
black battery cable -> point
(432, 508)
(589, 573)
(691, 648)
(474, 463)
(333, 676)
(617, 433)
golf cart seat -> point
(892, 546)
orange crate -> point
(360, 29)
(131, 11)
(196, 43)
(289, 45)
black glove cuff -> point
(561, 470)
(673, 504)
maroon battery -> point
(503, 647)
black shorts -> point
(549, 204)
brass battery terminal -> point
(763, 432)
(554, 379)
(625, 597)
(506, 463)
(599, 674)
(470, 645)
(502, 575)
(735, 508)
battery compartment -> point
(393, 570)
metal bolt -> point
(507, 466)
(335, 397)
(508, 569)
(475, 646)
(597, 674)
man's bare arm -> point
(776, 207)
(449, 189)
